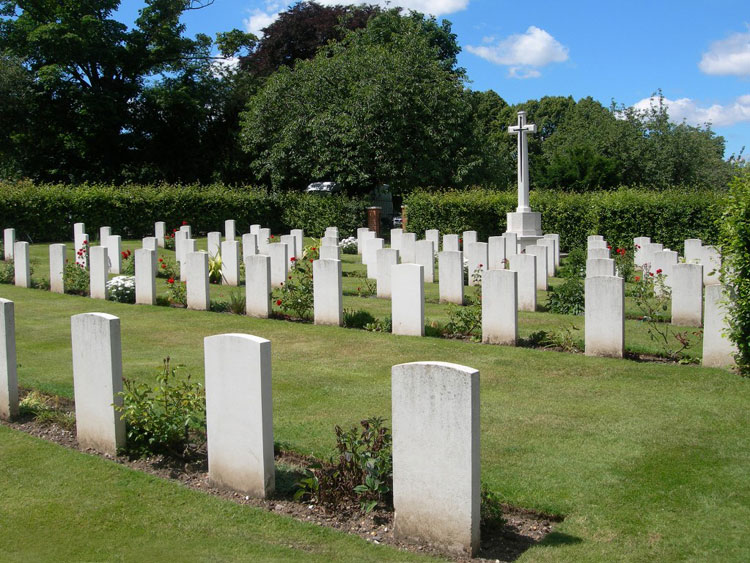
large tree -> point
(374, 108)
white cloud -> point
(524, 53)
(263, 17)
(433, 7)
(688, 110)
(728, 56)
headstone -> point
(189, 245)
(362, 233)
(239, 413)
(8, 361)
(291, 243)
(150, 243)
(597, 253)
(145, 276)
(718, 349)
(255, 229)
(541, 253)
(197, 281)
(264, 237)
(279, 253)
(114, 253)
(386, 258)
(711, 260)
(594, 239)
(179, 238)
(396, 235)
(467, 238)
(451, 276)
(605, 316)
(230, 230)
(369, 256)
(434, 236)
(496, 253)
(187, 230)
(436, 461)
(597, 244)
(57, 268)
(511, 244)
(98, 272)
(477, 257)
(596, 267)
(299, 247)
(9, 241)
(687, 294)
(556, 238)
(329, 241)
(97, 381)
(408, 248)
(258, 286)
(78, 229)
(249, 245)
(104, 233)
(230, 263)
(22, 265)
(424, 255)
(693, 249)
(451, 243)
(329, 253)
(664, 260)
(328, 304)
(332, 232)
(81, 242)
(525, 265)
(160, 229)
(639, 243)
(550, 244)
(647, 254)
(213, 243)
(407, 299)
(500, 307)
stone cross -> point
(522, 129)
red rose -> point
(161, 259)
(278, 302)
(609, 247)
(658, 271)
(313, 249)
(170, 280)
(293, 259)
(184, 222)
(163, 265)
(481, 265)
(651, 274)
(637, 278)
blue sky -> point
(696, 52)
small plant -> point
(367, 288)
(236, 303)
(357, 319)
(386, 325)
(76, 279)
(176, 292)
(121, 289)
(127, 267)
(490, 510)
(363, 471)
(348, 245)
(568, 298)
(169, 240)
(295, 296)
(46, 410)
(624, 264)
(464, 321)
(160, 419)
(214, 268)
(574, 266)
(7, 272)
(167, 268)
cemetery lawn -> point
(646, 461)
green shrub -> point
(357, 319)
(76, 279)
(568, 298)
(735, 269)
(573, 265)
(7, 272)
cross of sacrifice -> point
(523, 159)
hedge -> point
(46, 213)
(668, 217)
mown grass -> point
(646, 461)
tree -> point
(374, 108)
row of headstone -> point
(653, 256)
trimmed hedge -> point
(46, 213)
(668, 217)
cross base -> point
(528, 227)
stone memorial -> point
(328, 304)
(605, 317)
(596, 267)
(104, 233)
(451, 276)
(150, 243)
(239, 414)
(213, 243)
(197, 281)
(396, 235)
(279, 253)
(424, 255)
(80, 241)
(407, 299)
(258, 286)
(114, 253)
(145, 276)
(329, 241)
(369, 256)
(97, 381)
(189, 245)
(408, 248)
(264, 237)
(386, 258)
(255, 229)
(8, 361)
(647, 255)
(434, 236)
(291, 243)
(639, 243)
(711, 260)
(496, 253)
(57, 268)
(467, 238)
(541, 253)
(687, 294)
(526, 224)
(329, 253)
(525, 266)
(511, 244)
(500, 307)
(597, 253)
(362, 233)
(550, 245)
(718, 349)
(249, 245)
(21, 264)
(160, 230)
(450, 243)
(477, 258)
(230, 230)
(230, 263)
(556, 239)
(693, 250)
(9, 241)
(332, 232)
(299, 247)
(436, 461)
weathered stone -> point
(451, 243)
(145, 276)
(332, 232)
(230, 230)
(605, 316)
(424, 255)
(525, 266)
(687, 294)
(150, 243)
(279, 253)
(329, 241)
(693, 249)
(386, 258)
(9, 241)
(477, 258)
(98, 272)
(407, 299)
(500, 307)
(258, 286)
(451, 276)
(496, 253)
(197, 281)
(328, 304)
(718, 349)
(597, 253)
(8, 362)
(230, 263)
(541, 253)
(434, 236)
(160, 230)
(57, 268)
(330, 253)
(600, 267)
(408, 248)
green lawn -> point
(646, 461)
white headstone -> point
(386, 258)
(718, 349)
(213, 243)
(436, 467)
(230, 230)
(98, 272)
(541, 253)
(57, 268)
(97, 380)
(434, 236)
(179, 238)
(160, 229)
(145, 276)
(249, 245)
(150, 243)
(496, 253)
(407, 299)
(451, 243)
(596, 267)
(189, 245)
(396, 235)
(255, 229)
(328, 304)
(239, 413)
(230, 263)
(279, 253)
(605, 316)
(639, 243)
(525, 266)
(687, 294)
(197, 281)
(264, 237)
(550, 244)
(362, 233)
(104, 233)
(21, 264)
(597, 253)
(664, 260)
(467, 238)
(78, 229)
(369, 256)
(9, 241)
(424, 255)
(408, 248)
(81, 242)
(693, 249)
(329, 241)
(647, 255)
(258, 286)
(299, 247)
(451, 276)
(593, 239)
(332, 232)
(114, 253)
(711, 260)
(329, 253)
(8, 362)
(511, 244)
(556, 238)
(291, 243)
(477, 257)
(500, 307)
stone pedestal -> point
(527, 225)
